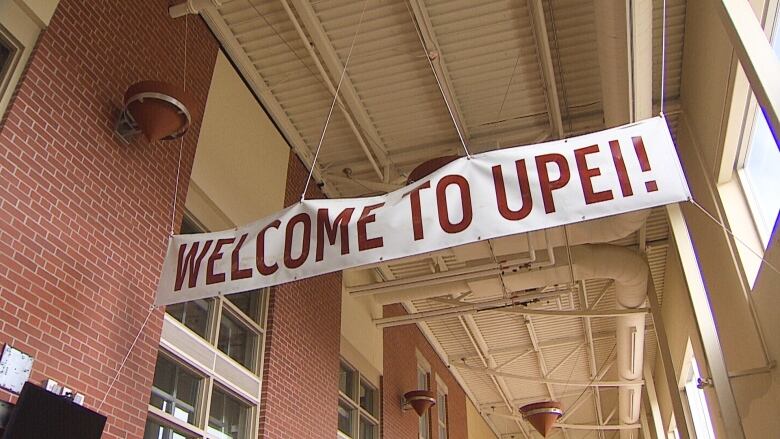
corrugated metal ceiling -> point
(487, 52)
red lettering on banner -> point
(262, 267)
(587, 174)
(644, 163)
(465, 200)
(340, 224)
(620, 167)
(216, 255)
(190, 264)
(546, 184)
(289, 261)
(366, 217)
(525, 192)
(414, 198)
(236, 272)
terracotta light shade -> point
(542, 415)
(419, 400)
(426, 168)
(159, 110)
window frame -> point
(7, 70)
(356, 406)
(424, 368)
(217, 308)
(752, 114)
(442, 402)
(734, 194)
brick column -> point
(84, 218)
(300, 379)
(401, 344)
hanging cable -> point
(438, 82)
(737, 238)
(124, 360)
(181, 140)
(663, 56)
(333, 103)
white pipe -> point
(192, 7)
(629, 271)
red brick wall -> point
(400, 376)
(84, 218)
(300, 379)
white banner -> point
(489, 195)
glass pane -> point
(422, 379)
(368, 397)
(442, 432)
(425, 422)
(347, 381)
(249, 302)
(441, 403)
(175, 390)
(761, 165)
(346, 418)
(236, 341)
(367, 429)
(5, 56)
(188, 227)
(156, 431)
(227, 416)
(194, 315)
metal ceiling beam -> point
(425, 29)
(329, 84)
(551, 381)
(369, 185)
(562, 341)
(479, 343)
(536, 11)
(263, 93)
(582, 426)
(583, 296)
(335, 67)
(510, 306)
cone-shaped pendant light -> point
(419, 400)
(542, 415)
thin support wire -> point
(333, 103)
(663, 56)
(124, 360)
(737, 238)
(181, 141)
(438, 82)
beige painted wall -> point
(477, 427)
(704, 143)
(240, 169)
(363, 339)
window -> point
(194, 315)
(235, 323)
(155, 430)
(697, 403)
(227, 416)
(358, 408)
(175, 390)
(10, 51)
(441, 418)
(191, 401)
(759, 171)
(425, 420)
